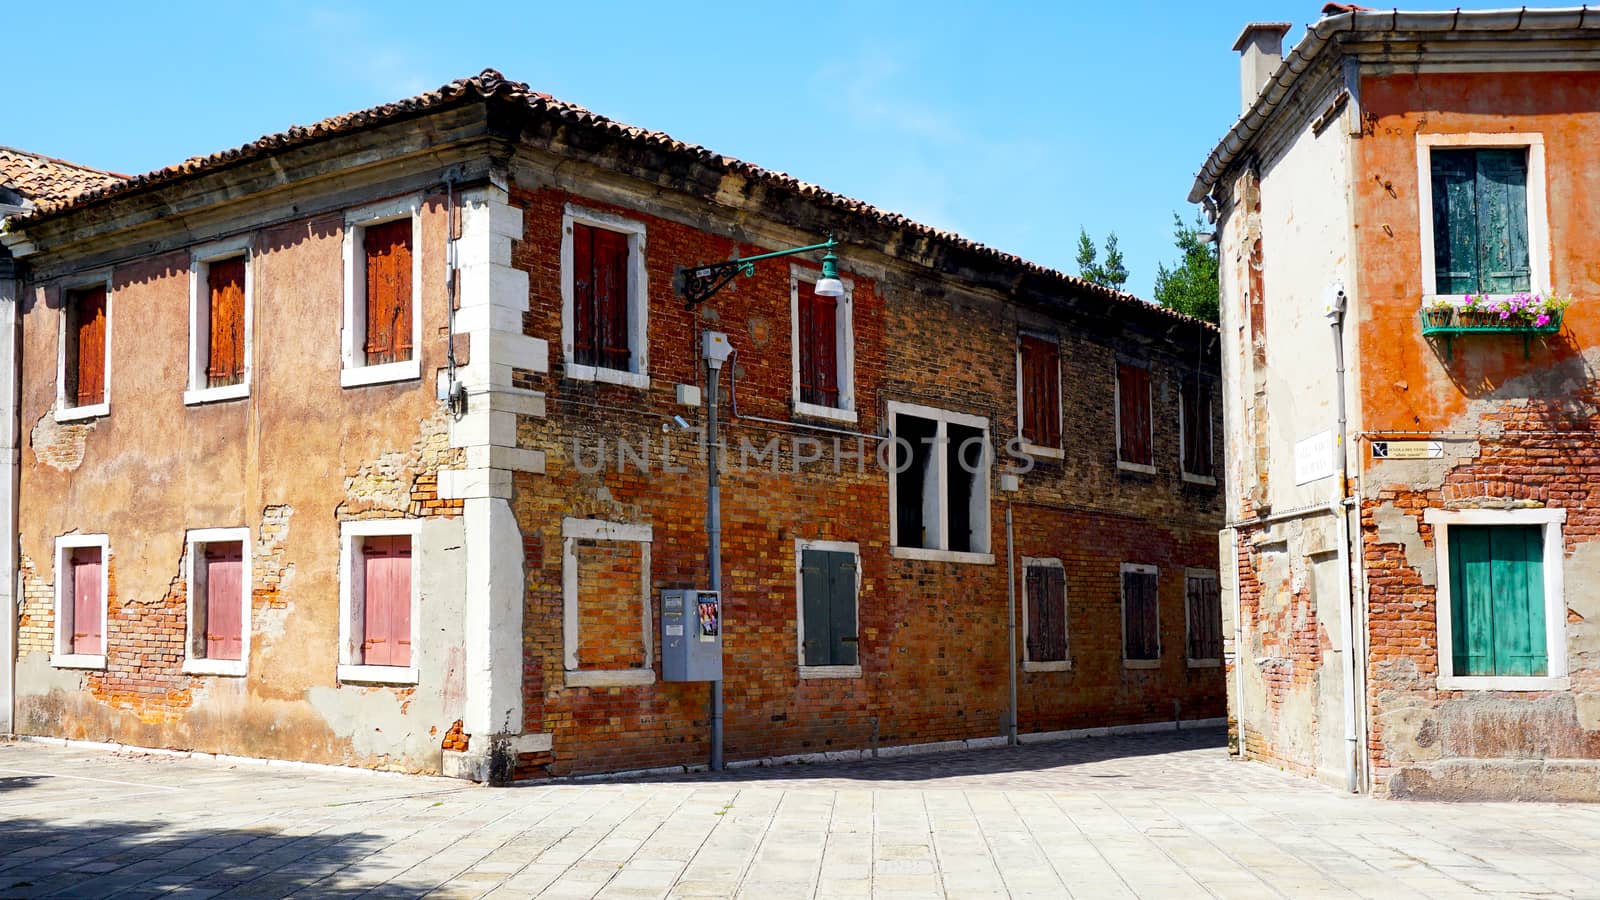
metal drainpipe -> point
(714, 539)
(10, 471)
(1337, 506)
(1011, 629)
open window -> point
(383, 294)
(218, 621)
(81, 601)
(604, 303)
(939, 484)
(828, 589)
(379, 601)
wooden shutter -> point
(388, 254)
(1133, 405)
(225, 348)
(828, 600)
(1497, 615)
(816, 606)
(1041, 391)
(1205, 618)
(1455, 221)
(1045, 587)
(600, 298)
(819, 347)
(1502, 187)
(86, 346)
(387, 635)
(1195, 399)
(88, 627)
(224, 622)
(1141, 635)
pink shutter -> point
(224, 603)
(387, 640)
(87, 627)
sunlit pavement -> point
(1165, 815)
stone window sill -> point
(610, 678)
(808, 672)
(1503, 683)
(357, 376)
(80, 413)
(1141, 664)
(231, 667)
(378, 674)
(216, 394)
(78, 661)
(1055, 665)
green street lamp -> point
(698, 284)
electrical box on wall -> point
(691, 635)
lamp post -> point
(697, 285)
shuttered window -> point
(600, 297)
(85, 368)
(819, 347)
(1204, 618)
(88, 604)
(1141, 631)
(225, 319)
(1133, 415)
(386, 635)
(1195, 405)
(224, 601)
(828, 607)
(1040, 391)
(1046, 589)
(1480, 221)
(387, 249)
(1497, 603)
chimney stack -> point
(1260, 49)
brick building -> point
(1415, 583)
(376, 443)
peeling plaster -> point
(60, 446)
(1396, 526)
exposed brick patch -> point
(455, 739)
(405, 483)
(60, 445)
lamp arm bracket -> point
(698, 284)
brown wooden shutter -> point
(600, 298)
(87, 346)
(1197, 437)
(819, 348)
(225, 352)
(388, 254)
(1047, 614)
(1041, 391)
(1141, 616)
(1133, 394)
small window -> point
(939, 484)
(1480, 220)
(219, 602)
(829, 582)
(824, 352)
(1039, 391)
(1141, 617)
(80, 609)
(1135, 449)
(85, 350)
(219, 330)
(1044, 623)
(382, 294)
(380, 602)
(1497, 602)
(606, 613)
(1203, 617)
(603, 298)
(1195, 425)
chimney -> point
(1260, 49)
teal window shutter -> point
(828, 600)
(1480, 221)
(1497, 615)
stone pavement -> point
(1164, 815)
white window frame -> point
(800, 547)
(1116, 409)
(1052, 665)
(62, 656)
(638, 375)
(200, 319)
(1555, 604)
(1122, 595)
(64, 411)
(352, 577)
(194, 541)
(940, 472)
(1183, 429)
(1538, 209)
(354, 370)
(1188, 624)
(844, 348)
(1026, 445)
(575, 530)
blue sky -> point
(1011, 123)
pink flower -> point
(1542, 321)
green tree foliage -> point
(1113, 274)
(1190, 286)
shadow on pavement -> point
(1032, 757)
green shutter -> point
(842, 612)
(814, 601)
(1455, 221)
(1503, 220)
(1497, 600)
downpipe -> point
(1338, 505)
(1011, 630)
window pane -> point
(965, 454)
(913, 475)
(1503, 220)
(1455, 221)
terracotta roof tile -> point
(45, 179)
(491, 84)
